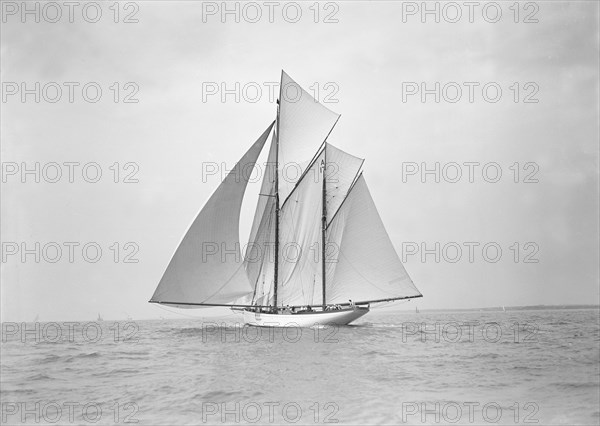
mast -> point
(275, 278)
(324, 222)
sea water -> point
(513, 367)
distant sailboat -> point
(37, 318)
(99, 317)
(416, 310)
(318, 251)
(503, 308)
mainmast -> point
(275, 278)
(324, 221)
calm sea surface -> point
(514, 367)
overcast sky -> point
(172, 56)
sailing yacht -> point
(318, 252)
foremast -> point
(324, 226)
(277, 208)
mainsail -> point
(207, 267)
(316, 239)
(300, 280)
(366, 266)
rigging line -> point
(262, 283)
(302, 290)
(269, 226)
(364, 302)
(361, 302)
(352, 266)
(310, 164)
(164, 308)
(263, 186)
(367, 280)
(344, 200)
(293, 224)
(241, 265)
(390, 303)
(258, 222)
(254, 293)
(265, 223)
(322, 146)
(233, 305)
(356, 176)
(358, 173)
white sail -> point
(342, 170)
(207, 267)
(366, 266)
(300, 275)
(260, 252)
(303, 127)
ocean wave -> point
(117, 372)
(38, 377)
(50, 359)
(220, 395)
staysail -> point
(207, 267)
(341, 171)
(366, 267)
(260, 251)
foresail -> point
(342, 170)
(207, 266)
(363, 264)
(260, 251)
(304, 124)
